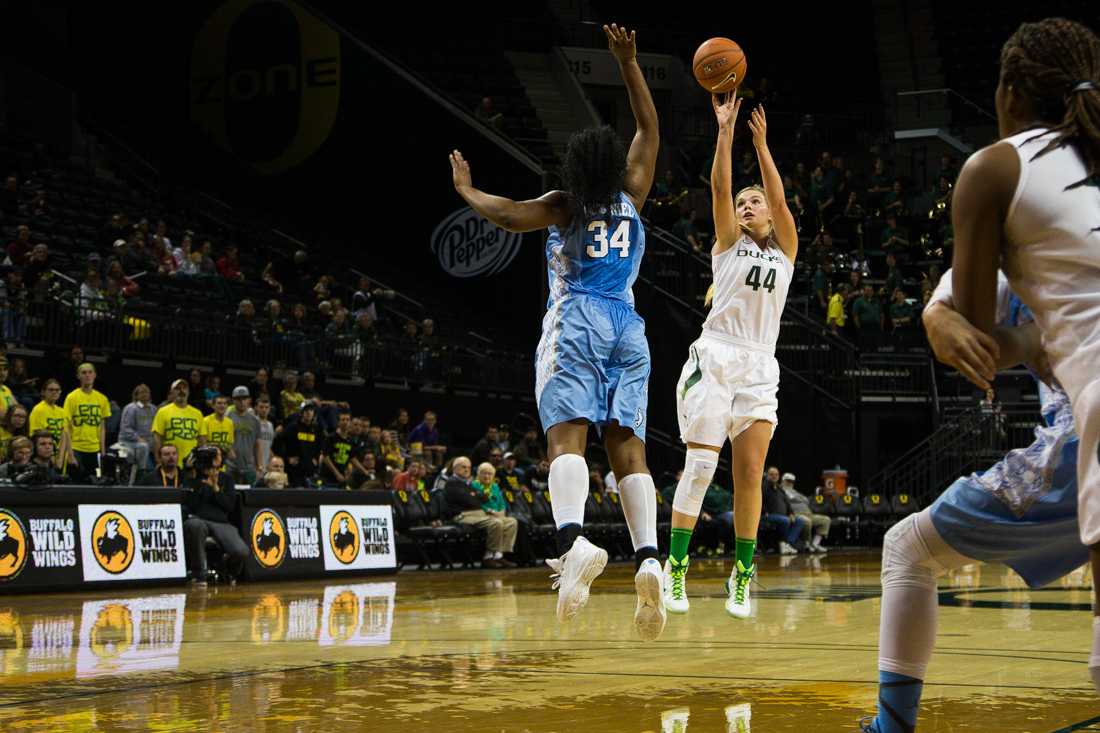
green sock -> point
(745, 551)
(678, 549)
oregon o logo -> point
(113, 542)
(343, 537)
(268, 537)
(13, 545)
(343, 616)
(113, 632)
(265, 82)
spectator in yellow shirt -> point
(178, 423)
(7, 399)
(49, 416)
(219, 428)
(88, 411)
(835, 318)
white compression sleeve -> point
(699, 466)
(639, 497)
(568, 489)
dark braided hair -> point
(1045, 61)
(594, 169)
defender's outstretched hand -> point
(621, 42)
(460, 171)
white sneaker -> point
(649, 614)
(739, 604)
(573, 573)
(676, 599)
(738, 718)
(675, 721)
(819, 548)
(785, 549)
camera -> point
(203, 458)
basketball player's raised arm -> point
(978, 210)
(786, 232)
(726, 231)
(515, 216)
(641, 159)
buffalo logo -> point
(344, 537)
(13, 545)
(113, 631)
(343, 616)
(469, 245)
(268, 539)
(113, 542)
(269, 621)
(265, 82)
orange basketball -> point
(719, 65)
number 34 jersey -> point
(598, 256)
(750, 290)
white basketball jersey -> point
(1052, 255)
(750, 290)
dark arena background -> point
(254, 197)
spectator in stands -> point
(162, 256)
(220, 430)
(467, 503)
(136, 430)
(688, 228)
(880, 184)
(88, 411)
(836, 316)
(328, 411)
(496, 457)
(427, 435)
(91, 305)
(13, 425)
(24, 387)
(178, 423)
(822, 276)
(400, 426)
(13, 306)
(529, 450)
(894, 239)
(196, 390)
(209, 501)
(595, 481)
(15, 453)
(212, 391)
(275, 480)
(901, 314)
(7, 398)
(868, 317)
(39, 270)
(893, 202)
(207, 265)
(246, 433)
(539, 479)
(43, 457)
(429, 341)
(229, 264)
(488, 114)
(481, 450)
(412, 478)
(894, 278)
(266, 435)
(339, 451)
(128, 287)
(816, 525)
(373, 441)
(391, 451)
(260, 386)
(49, 416)
(509, 475)
(300, 444)
(20, 248)
(370, 469)
(185, 261)
(779, 513)
(137, 258)
(166, 474)
(290, 399)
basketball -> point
(719, 65)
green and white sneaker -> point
(739, 718)
(738, 604)
(676, 599)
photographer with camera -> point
(32, 461)
(210, 500)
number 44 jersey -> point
(750, 290)
(597, 256)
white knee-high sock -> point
(568, 489)
(639, 498)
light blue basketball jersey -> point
(599, 256)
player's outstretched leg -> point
(580, 561)
(750, 448)
(639, 498)
(699, 466)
